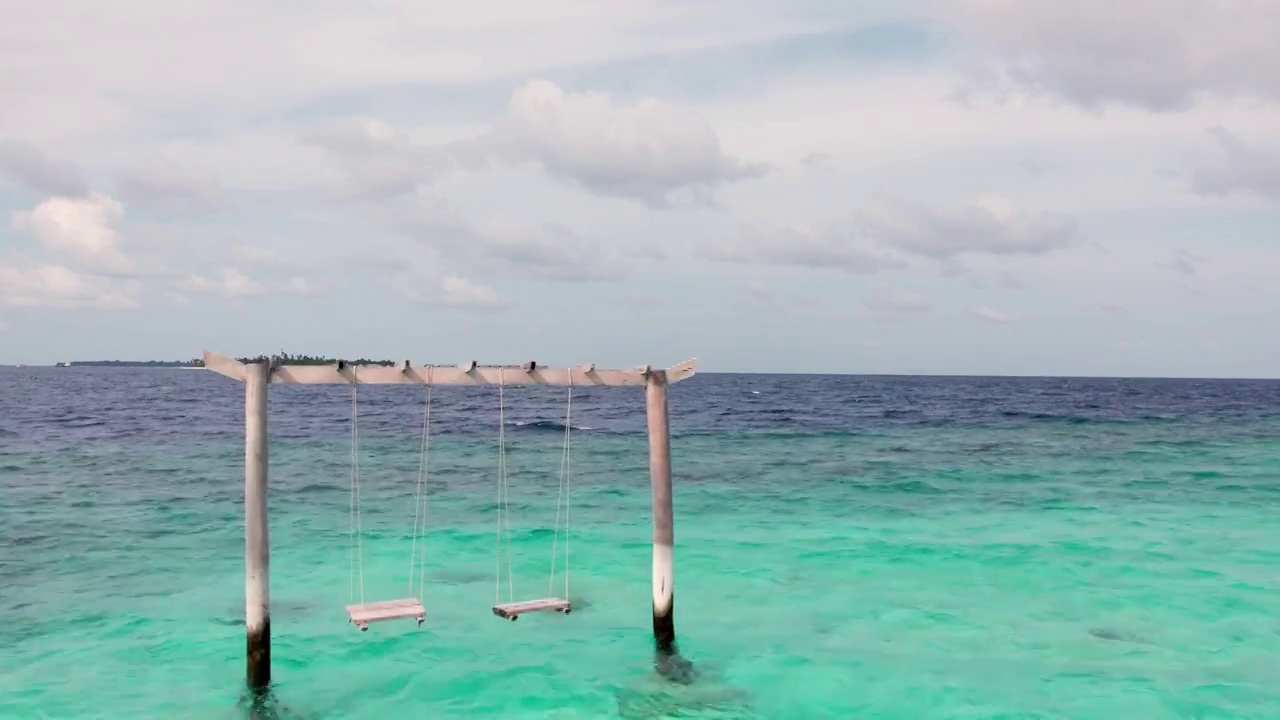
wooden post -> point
(257, 554)
(664, 629)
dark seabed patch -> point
(1115, 635)
(235, 617)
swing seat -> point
(364, 613)
(513, 611)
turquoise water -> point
(845, 548)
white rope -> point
(562, 500)
(419, 504)
(504, 512)
(422, 568)
(351, 533)
(568, 484)
(356, 529)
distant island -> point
(132, 363)
(282, 358)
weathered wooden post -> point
(664, 628)
(257, 555)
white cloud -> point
(1230, 166)
(377, 161)
(461, 292)
(298, 285)
(633, 299)
(80, 228)
(1183, 262)
(165, 182)
(759, 292)
(992, 315)
(33, 169)
(885, 237)
(993, 225)
(648, 150)
(912, 142)
(766, 305)
(551, 251)
(1157, 54)
(210, 64)
(56, 286)
(450, 291)
(800, 245)
(232, 283)
(887, 303)
(555, 252)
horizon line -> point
(792, 373)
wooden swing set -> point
(257, 375)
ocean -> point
(846, 547)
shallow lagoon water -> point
(846, 547)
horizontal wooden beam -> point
(468, 374)
(224, 365)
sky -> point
(998, 187)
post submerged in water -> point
(664, 629)
(257, 554)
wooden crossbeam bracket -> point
(469, 373)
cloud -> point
(1183, 262)
(556, 252)
(209, 65)
(764, 304)
(163, 182)
(888, 304)
(1230, 166)
(759, 292)
(81, 228)
(633, 299)
(818, 161)
(56, 286)
(232, 283)
(992, 315)
(992, 226)
(451, 291)
(648, 150)
(801, 245)
(885, 237)
(492, 149)
(33, 169)
(978, 279)
(377, 161)
(1162, 55)
(550, 251)
(761, 299)
(298, 285)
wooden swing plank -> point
(361, 614)
(511, 611)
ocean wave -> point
(546, 425)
